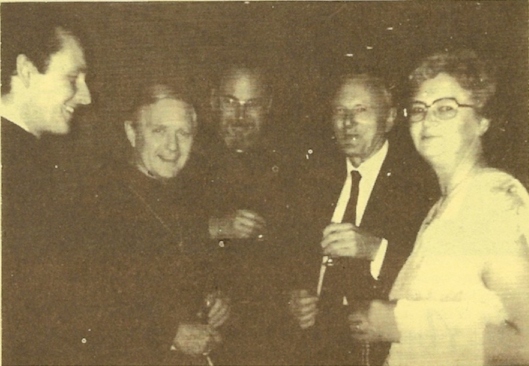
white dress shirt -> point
(369, 171)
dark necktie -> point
(335, 280)
(338, 279)
(350, 210)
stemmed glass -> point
(202, 316)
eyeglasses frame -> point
(406, 114)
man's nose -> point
(349, 120)
(83, 94)
(172, 143)
(240, 112)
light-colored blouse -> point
(443, 303)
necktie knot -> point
(355, 176)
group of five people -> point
(233, 256)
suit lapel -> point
(375, 215)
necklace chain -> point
(158, 217)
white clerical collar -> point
(373, 164)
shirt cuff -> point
(378, 260)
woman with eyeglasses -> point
(462, 298)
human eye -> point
(446, 108)
(228, 101)
(339, 111)
(416, 109)
(255, 103)
(360, 109)
(72, 79)
(185, 134)
(158, 130)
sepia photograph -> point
(265, 183)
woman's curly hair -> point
(471, 72)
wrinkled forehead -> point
(243, 85)
(361, 91)
(168, 112)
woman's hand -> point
(374, 322)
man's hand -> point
(242, 224)
(347, 240)
(195, 339)
(220, 311)
(303, 307)
(374, 321)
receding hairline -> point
(375, 84)
(63, 35)
(141, 111)
(255, 74)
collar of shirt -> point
(369, 171)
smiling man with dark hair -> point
(43, 83)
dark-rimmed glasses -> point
(231, 104)
(443, 109)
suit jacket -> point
(403, 192)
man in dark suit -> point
(368, 205)
(43, 83)
(247, 200)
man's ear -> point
(484, 125)
(131, 132)
(25, 69)
(214, 100)
(390, 120)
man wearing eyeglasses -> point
(248, 207)
(358, 223)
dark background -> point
(302, 44)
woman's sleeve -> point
(501, 239)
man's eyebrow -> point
(80, 68)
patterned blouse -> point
(443, 303)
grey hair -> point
(152, 93)
(374, 83)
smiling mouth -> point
(69, 109)
(428, 137)
(168, 160)
(349, 139)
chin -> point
(60, 130)
(350, 151)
